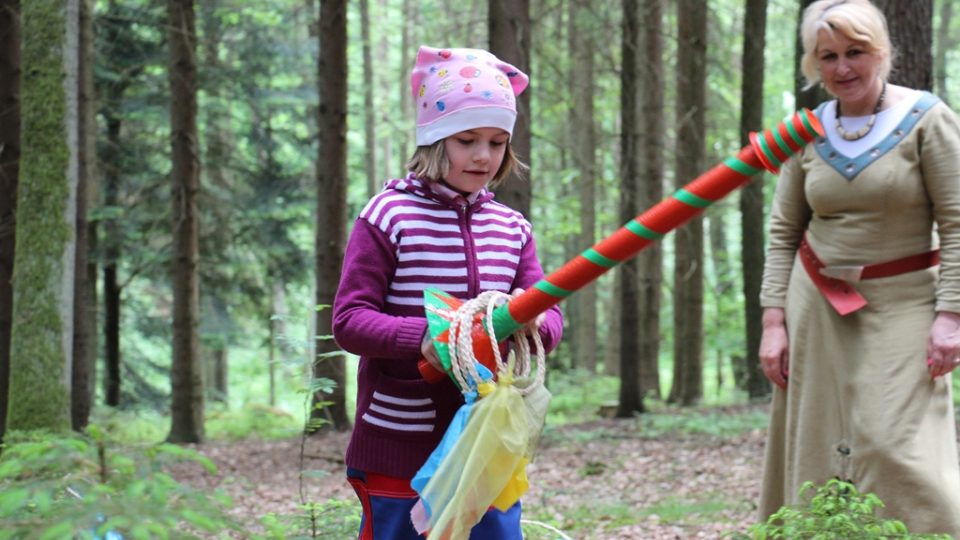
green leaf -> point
(61, 530)
(12, 500)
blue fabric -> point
(390, 517)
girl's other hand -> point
(430, 353)
(536, 323)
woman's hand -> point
(774, 351)
(943, 345)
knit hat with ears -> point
(460, 89)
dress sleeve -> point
(359, 324)
(529, 272)
(788, 221)
(940, 165)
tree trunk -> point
(331, 201)
(945, 43)
(509, 28)
(9, 165)
(751, 198)
(688, 269)
(910, 23)
(584, 145)
(650, 260)
(186, 371)
(369, 112)
(630, 397)
(406, 105)
(41, 340)
(85, 287)
(810, 97)
(111, 257)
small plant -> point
(74, 486)
(835, 510)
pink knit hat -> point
(460, 89)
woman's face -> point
(846, 68)
(475, 156)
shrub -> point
(835, 510)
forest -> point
(178, 180)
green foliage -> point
(54, 486)
(253, 420)
(334, 518)
(834, 510)
(577, 396)
(716, 422)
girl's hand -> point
(429, 353)
(774, 347)
(943, 345)
(534, 325)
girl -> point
(437, 227)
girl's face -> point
(847, 69)
(475, 156)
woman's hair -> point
(430, 163)
(858, 20)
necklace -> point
(862, 132)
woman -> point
(861, 313)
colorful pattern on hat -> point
(460, 89)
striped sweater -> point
(411, 236)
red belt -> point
(836, 282)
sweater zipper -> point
(473, 278)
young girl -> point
(437, 227)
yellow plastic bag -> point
(483, 462)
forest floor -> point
(604, 479)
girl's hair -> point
(857, 20)
(430, 163)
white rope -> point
(462, 360)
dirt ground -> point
(604, 474)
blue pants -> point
(387, 502)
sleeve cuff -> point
(409, 337)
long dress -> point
(860, 404)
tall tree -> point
(806, 97)
(41, 340)
(331, 228)
(911, 30)
(186, 371)
(584, 143)
(650, 260)
(945, 42)
(630, 398)
(85, 287)
(509, 28)
(751, 196)
(688, 240)
(369, 112)
(9, 165)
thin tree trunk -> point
(9, 166)
(331, 200)
(41, 341)
(509, 29)
(186, 371)
(945, 43)
(751, 198)
(806, 97)
(84, 313)
(584, 144)
(650, 260)
(630, 398)
(111, 258)
(369, 112)
(688, 269)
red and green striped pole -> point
(767, 150)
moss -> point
(38, 395)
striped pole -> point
(767, 150)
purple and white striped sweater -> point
(409, 237)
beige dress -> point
(860, 404)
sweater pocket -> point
(400, 406)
